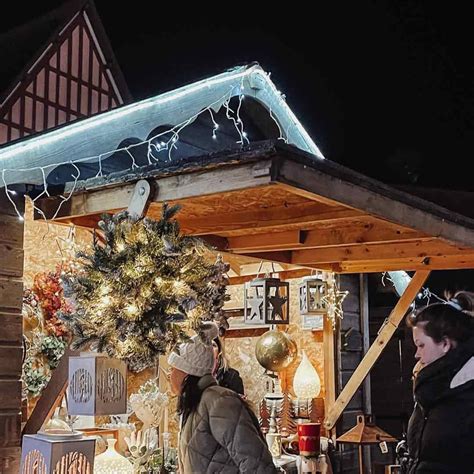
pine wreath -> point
(135, 290)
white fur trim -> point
(465, 375)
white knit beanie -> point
(196, 357)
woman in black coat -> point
(441, 428)
(225, 375)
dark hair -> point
(453, 320)
(190, 396)
(222, 363)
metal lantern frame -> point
(264, 301)
(311, 292)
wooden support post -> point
(329, 365)
(51, 395)
(385, 333)
(11, 333)
(365, 331)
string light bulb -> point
(132, 309)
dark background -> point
(385, 88)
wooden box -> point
(97, 385)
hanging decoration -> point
(266, 301)
(275, 350)
(135, 290)
(312, 306)
(334, 299)
(311, 292)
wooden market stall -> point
(277, 203)
(253, 202)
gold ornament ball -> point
(275, 350)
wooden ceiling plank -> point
(364, 252)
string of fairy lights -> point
(160, 149)
(400, 280)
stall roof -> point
(207, 116)
(274, 202)
(276, 199)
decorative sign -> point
(312, 322)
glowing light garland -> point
(401, 279)
(251, 81)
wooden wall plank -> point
(11, 230)
(10, 394)
(11, 334)
(10, 429)
(10, 460)
(11, 327)
(11, 293)
(10, 361)
(11, 260)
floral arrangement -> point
(45, 335)
(47, 287)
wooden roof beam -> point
(455, 262)
(284, 275)
(166, 189)
(433, 254)
(368, 252)
(355, 233)
(269, 219)
(347, 188)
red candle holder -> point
(309, 439)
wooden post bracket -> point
(386, 331)
(140, 199)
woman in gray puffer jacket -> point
(219, 433)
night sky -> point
(386, 88)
